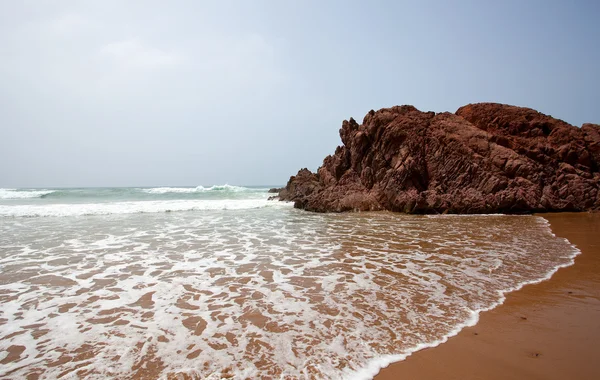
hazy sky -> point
(145, 93)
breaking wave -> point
(201, 189)
(130, 193)
(23, 193)
(137, 207)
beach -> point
(223, 190)
(219, 282)
(548, 330)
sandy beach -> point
(548, 330)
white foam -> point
(375, 365)
(199, 189)
(342, 301)
(23, 194)
(134, 207)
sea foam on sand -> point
(253, 292)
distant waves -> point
(130, 200)
(111, 191)
(200, 189)
(23, 194)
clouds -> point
(105, 93)
(107, 57)
(120, 95)
(132, 53)
(67, 24)
(99, 44)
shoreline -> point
(545, 330)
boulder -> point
(485, 158)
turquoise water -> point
(127, 200)
(110, 194)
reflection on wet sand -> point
(246, 294)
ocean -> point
(219, 282)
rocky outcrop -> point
(485, 158)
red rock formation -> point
(486, 158)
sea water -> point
(219, 282)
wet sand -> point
(549, 330)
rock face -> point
(485, 158)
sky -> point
(155, 93)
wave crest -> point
(134, 207)
(23, 194)
(198, 189)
